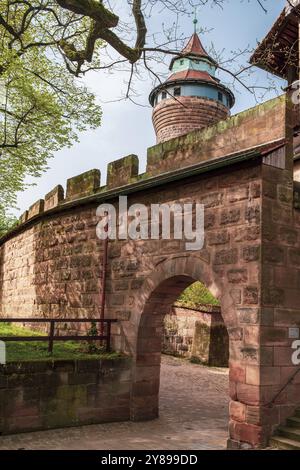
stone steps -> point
(288, 437)
(284, 443)
(290, 433)
(293, 422)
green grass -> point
(38, 351)
(196, 295)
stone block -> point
(252, 214)
(54, 198)
(286, 317)
(237, 411)
(271, 336)
(121, 172)
(283, 356)
(251, 253)
(237, 373)
(294, 256)
(36, 209)
(248, 315)
(273, 296)
(83, 185)
(229, 217)
(273, 254)
(226, 257)
(24, 217)
(218, 238)
(237, 194)
(244, 432)
(248, 394)
(237, 276)
(251, 295)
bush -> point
(195, 295)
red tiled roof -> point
(192, 75)
(195, 47)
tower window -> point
(220, 96)
(164, 95)
(177, 91)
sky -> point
(127, 128)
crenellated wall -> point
(58, 264)
(264, 124)
(241, 170)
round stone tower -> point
(192, 97)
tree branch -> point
(93, 9)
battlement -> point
(255, 127)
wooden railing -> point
(52, 337)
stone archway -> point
(158, 294)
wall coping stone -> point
(75, 365)
(86, 187)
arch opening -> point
(152, 375)
(194, 328)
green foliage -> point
(195, 295)
(38, 351)
(6, 223)
(92, 348)
(43, 106)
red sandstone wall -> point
(38, 396)
(250, 261)
(173, 118)
(280, 291)
(53, 268)
(257, 406)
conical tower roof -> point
(194, 48)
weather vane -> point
(195, 21)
